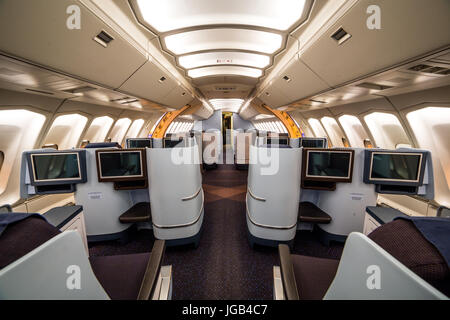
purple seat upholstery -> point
(22, 237)
(402, 240)
(313, 276)
(121, 276)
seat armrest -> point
(287, 273)
(151, 273)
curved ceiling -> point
(222, 38)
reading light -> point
(231, 105)
(224, 58)
(223, 38)
(225, 70)
(177, 14)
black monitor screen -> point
(56, 166)
(329, 164)
(172, 143)
(123, 164)
(396, 166)
(313, 143)
(283, 141)
(139, 143)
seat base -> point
(195, 240)
(267, 242)
(209, 166)
(326, 237)
(241, 166)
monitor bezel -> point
(143, 161)
(138, 139)
(180, 140)
(305, 162)
(324, 140)
(81, 157)
(399, 182)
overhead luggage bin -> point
(46, 40)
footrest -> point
(309, 212)
(140, 212)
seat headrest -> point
(279, 146)
(103, 145)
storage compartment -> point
(151, 83)
(409, 28)
(297, 81)
(177, 98)
(39, 33)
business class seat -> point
(243, 140)
(37, 262)
(273, 194)
(410, 268)
(211, 145)
(176, 195)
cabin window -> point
(156, 124)
(354, 130)
(386, 130)
(98, 129)
(120, 128)
(19, 131)
(432, 131)
(318, 130)
(66, 131)
(334, 131)
(135, 128)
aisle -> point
(224, 266)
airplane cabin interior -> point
(225, 150)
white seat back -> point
(175, 185)
(366, 271)
(274, 186)
(51, 271)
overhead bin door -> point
(409, 28)
(37, 31)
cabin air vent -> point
(80, 89)
(286, 78)
(430, 69)
(225, 88)
(40, 91)
(317, 101)
(103, 38)
(372, 86)
(129, 101)
(340, 36)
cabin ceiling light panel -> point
(231, 105)
(224, 58)
(164, 16)
(223, 38)
(225, 71)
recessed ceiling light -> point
(225, 71)
(177, 14)
(224, 58)
(231, 105)
(223, 38)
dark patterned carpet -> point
(223, 266)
